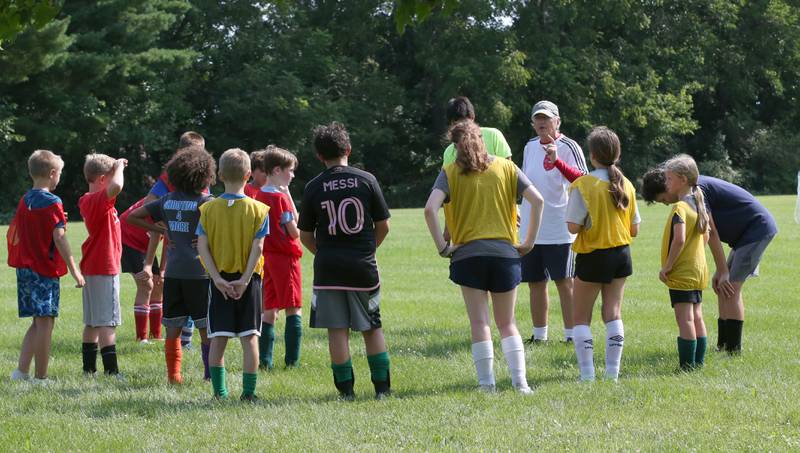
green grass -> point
(744, 403)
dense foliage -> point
(715, 78)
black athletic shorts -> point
(604, 265)
(133, 261)
(235, 317)
(548, 262)
(184, 298)
(685, 296)
(487, 273)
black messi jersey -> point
(341, 206)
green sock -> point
(293, 334)
(700, 352)
(266, 342)
(342, 371)
(249, 383)
(686, 350)
(379, 366)
(218, 381)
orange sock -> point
(172, 350)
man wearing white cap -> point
(551, 161)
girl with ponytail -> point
(683, 258)
(602, 211)
(481, 215)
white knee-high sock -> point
(615, 337)
(483, 355)
(567, 334)
(515, 356)
(584, 350)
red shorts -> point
(283, 282)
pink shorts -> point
(283, 282)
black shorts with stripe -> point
(548, 262)
(604, 265)
(235, 317)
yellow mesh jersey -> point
(690, 271)
(482, 205)
(611, 227)
(231, 227)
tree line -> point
(717, 79)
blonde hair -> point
(42, 162)
(604, 145)
(191, 138)
(471, 152)
(234, 165)
(97, 165)
(684, 165)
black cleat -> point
(252, 398)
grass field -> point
(744, 403)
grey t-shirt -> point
(181, 214)
(577, 212)
(483, 247)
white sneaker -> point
(487, 388)
(42, 382)
(18, 375)
(144, 341)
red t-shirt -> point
(251, 190)
(102, 250)
(133, 236)
(30, 238)
(278, 241)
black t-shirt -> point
(341, 206)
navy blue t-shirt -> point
(739, 217)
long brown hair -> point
(604, 146)
(471, 152)
(684, 165)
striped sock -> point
(140, 315)
(186, 333)
(155, 319)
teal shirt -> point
(496, 145)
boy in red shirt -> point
(100, 263)
(282, 282)
(259, 178)
(39, 224)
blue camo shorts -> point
(37, 295)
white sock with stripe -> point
(483, 356)
(584, 350)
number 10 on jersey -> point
(338, 216)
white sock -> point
(615, 337)
(584, 350)
(567, 333)
(515, 356)
(540, 333)
(483, 356)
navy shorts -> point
(487, 273)
(548, 262)
(604, 265)
(235, 317)
(37, 295)
(132, 261)
(685, 296)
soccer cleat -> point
(523, 390)
(18, 375)
(43, 382)
(487, 388)
(264, 367)
(383, 388)
(251, 398)
(568, 341)
(535, 341)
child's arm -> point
(308, 240)
(137, 218)
(432, 206)
(147, 269)
(721, 280)
(381, 231)
(675, 248)
(117, 178)
(60, 239)
(205, 253)
(255, 254)
(536, 201)
(291, 226)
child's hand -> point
(225, 288)
(239, 287)
(448, 250)
(79, 280)
(145, 274)
(284, 189)
(122, 162)
(523, 249)
(662, 275)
